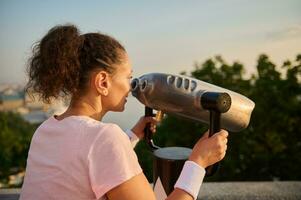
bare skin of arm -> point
(206, 151)
(139, 188)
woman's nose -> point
(129, 91)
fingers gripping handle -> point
(216, 103)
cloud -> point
(287, 33)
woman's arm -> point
(139, 188)
(137, 132)
(133, 137)
(135, 188)
(138, 129)
(206, 151)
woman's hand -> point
(208, 151)
(138, 129)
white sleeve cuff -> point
(191, 178)
(133, 137)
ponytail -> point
(54, 66)
(62, 61)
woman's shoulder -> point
(112, 132)
(84, 127)
(111, 137)
(100, 129)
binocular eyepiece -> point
(137, 85)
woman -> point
(76, 156)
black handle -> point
(216, 103)
(148, 135)
(214, 127)
(147, 130)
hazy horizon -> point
(160, 36)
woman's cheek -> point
(127, 85)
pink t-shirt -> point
(77, 158)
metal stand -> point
(167, 166)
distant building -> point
(35, 117)
(33, 103)
(40, 111)
(11, 99)
(29, 106)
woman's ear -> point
(102, 83)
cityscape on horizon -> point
(245, 54)
(169, 40)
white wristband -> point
(133, 137)
(191, 178)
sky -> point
(160, 36)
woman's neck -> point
(84, 107)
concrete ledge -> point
(9, 194)
(290, 190)
(251, 190)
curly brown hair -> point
(62, 61)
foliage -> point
(270, 148)
(15, 136)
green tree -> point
(270, 148)
(15, 136)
